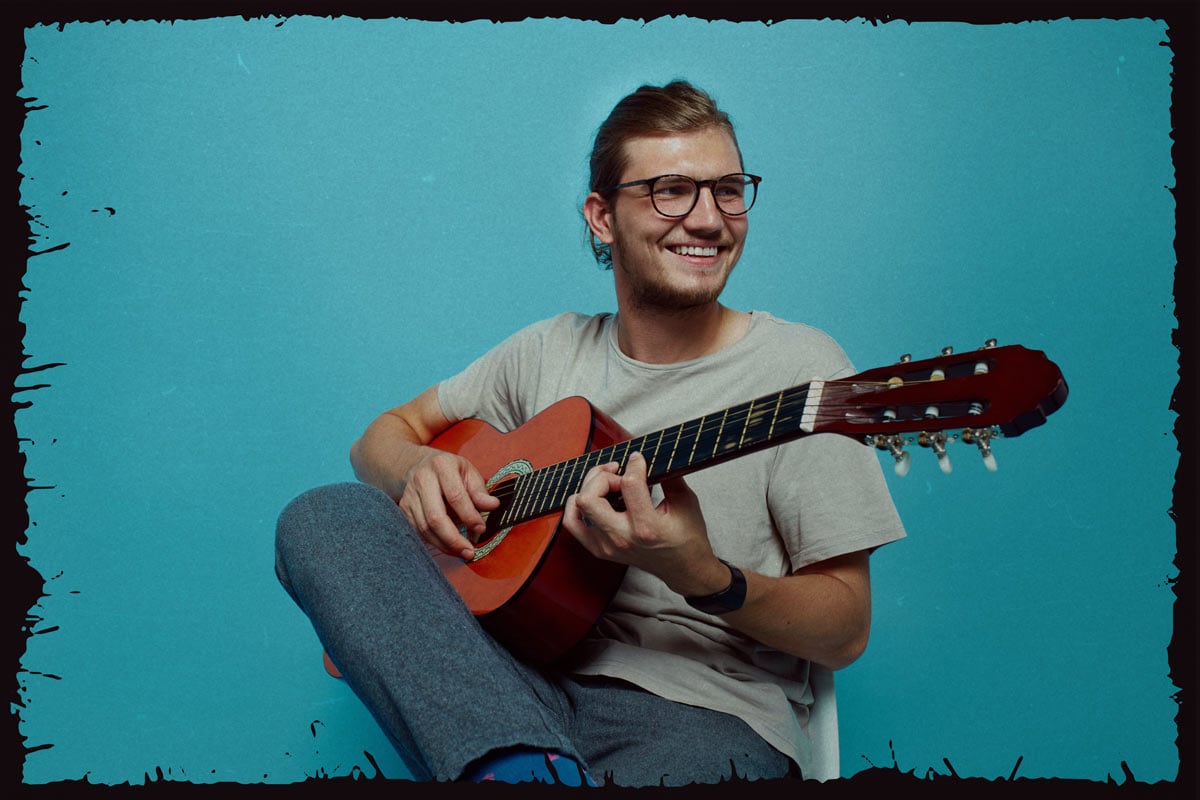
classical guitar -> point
(538, 591)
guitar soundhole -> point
(496, 527)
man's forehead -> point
(712, 148)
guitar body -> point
(534, 588)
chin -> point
(676, 298)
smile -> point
(689, 250)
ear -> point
(598, 213)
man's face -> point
(673, 263)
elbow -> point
(847, 651)
(360, 462)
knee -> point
(313, 516)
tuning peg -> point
(947, 351)
(982, 438)
(989, 344)
(894, 444)
(904, 359)
(937, 442)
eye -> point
(731, 188)
(673, 186)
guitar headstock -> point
(978, 395)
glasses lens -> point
(674, 195)
(735, 193)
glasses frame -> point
(754, 181)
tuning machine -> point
(894, 444)
(936, 442)
(982, 438)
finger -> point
(431, 518)
(592, 499)
(478, 490)
(600, 480)
(413, 509)
(601, 474)
(591, 532)
(459, 485)
(635, 491)
(573, 519)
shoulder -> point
(568, 329)
(818, 351)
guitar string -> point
(784, 405)
(781, 408)
(555, 483)
(544, 483)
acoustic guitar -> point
(538, 591)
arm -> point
(821, 612)
(436, 490)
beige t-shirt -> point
(772, 511)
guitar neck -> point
(675, 451)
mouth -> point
(706, 251)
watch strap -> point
(728, 599)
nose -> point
(705, 214)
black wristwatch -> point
(728, 599)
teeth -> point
(695, 251)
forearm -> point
(386, 453)
(816, 616)
(821, 613)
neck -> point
(667, 336)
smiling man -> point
(744, 582)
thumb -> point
(677, 492)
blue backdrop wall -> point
(254, 235)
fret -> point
(689, 432)
(551, 483)
(563, 475)
(651, 469)
(756, 431)
(746, 424)
(720, 432)
(696, 441)
(579, 468)
(775, 415)
(622, 459)
(640, 445)
(797, 399)
(674, 446)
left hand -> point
(669, 540)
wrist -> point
(724, 600)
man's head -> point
(677, 107)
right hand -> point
(441, 492)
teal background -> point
(271, 230)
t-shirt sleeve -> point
(853, 509)
(499, 387)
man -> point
(744, 579)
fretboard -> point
(688, 447)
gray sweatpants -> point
(447, 694)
